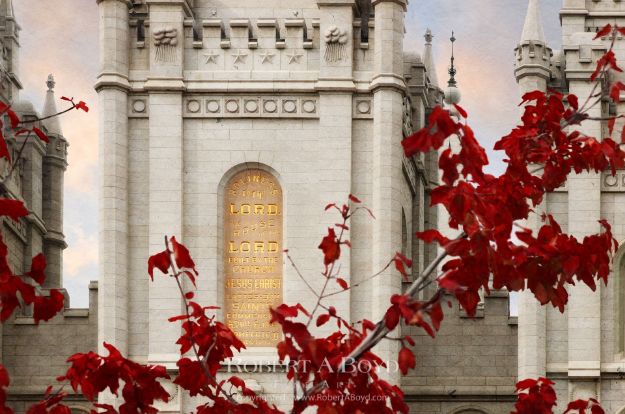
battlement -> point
(253, 44)
(533, 58)
(276, 31)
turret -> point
(54, 166)
(533, 55)
(9, 58)
(428, 59)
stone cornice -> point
(126, 2)
(183, 3)
(532, 69)
(108, 80)
(402, 3)
(56, 161)
(321, 3)
(165, 84)
(335, 85)
(388, 81)
(55, 238)
(485, 396)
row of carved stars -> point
(266, 57)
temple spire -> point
(452, 67)
(53, 126)
(428, 58)
(533, 27)
(452, 93)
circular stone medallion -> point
(251, 106)
(364, 107)
(212, 106)
(270, 107)
(232, 106)
(193, 106)
(610, 180)
(138, 106)
(309, 107)
(289, 106)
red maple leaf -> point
(406, 360)
(37, 269)
(83, 106)
(42, 136)
(46, 307)
(330, 247)
(12, 208)
(183, 259)
(160, 261)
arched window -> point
(469, 411)
(252, 260)
(77, 409)
(618, 270)
(404, 233)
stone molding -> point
(251, 106)
(362, 107)
(613, 184)
(402, 3)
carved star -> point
(239, 57)
(294, 57)
(211, 57)
(266, 57)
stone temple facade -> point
(35, 355)
(214, 112)
(582, 349)
(201, 99)
(231, 125)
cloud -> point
(487, 32)
(61, 38)
(66, 46)
(81, 254)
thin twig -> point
(32, 121)
(380, 329)
(203, 362)
(16, 160)
(299, 273)
(361, 282)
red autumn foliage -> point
(92, 374)
(535, 396)
(330, 247)
(490, 252)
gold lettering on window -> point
(253, 262)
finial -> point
(50, 82)
(452, 68)
(533, 28)
(428, 37)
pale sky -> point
(61, 37)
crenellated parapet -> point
(533, 57)
(307, 46)
(245, 44)
(581, 58)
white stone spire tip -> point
(533, 27)
(50, 82)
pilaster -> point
(532, 74)
(165, 169)
(584, 308)
(113, 146)
(337, 43)
(335, 102)
(53, 173)
(389, 90)
(532, 319)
